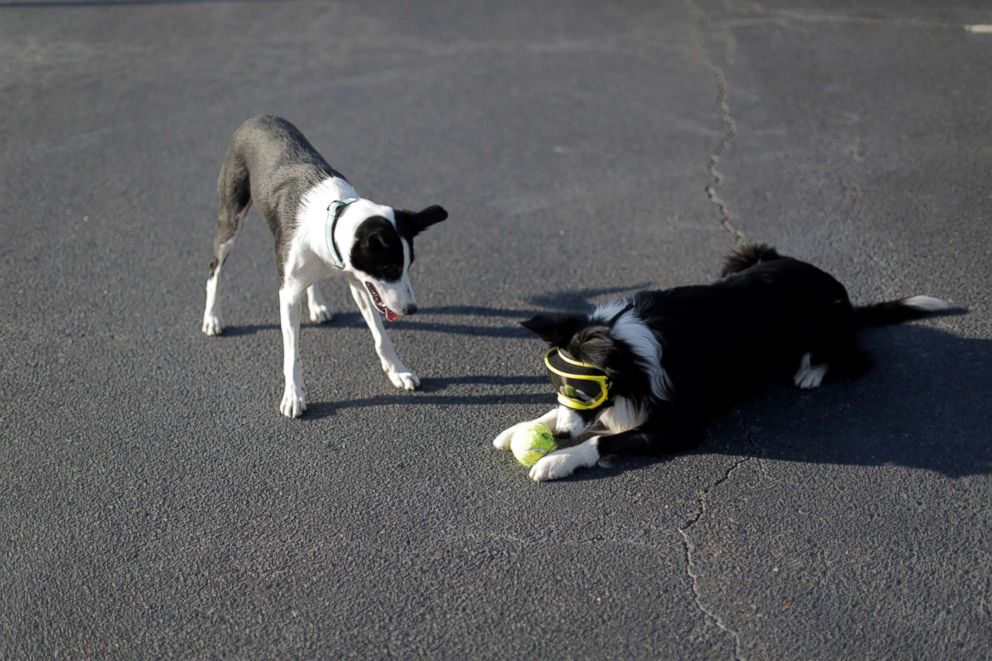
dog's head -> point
(615, 341)
(378, 242)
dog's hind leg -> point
(317, 306)
(830, 345)
(810, 374)
(840, 356)
(234, 190)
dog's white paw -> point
(553, 467)
(563, 463)
(404, 380)
(811, 379)
(293, 404)
(320, 313)
(212, 325)
(809, 376)
(502, 442)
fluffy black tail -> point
(746, 256)
(892, 312)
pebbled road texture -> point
(154, 503)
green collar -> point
(334, 211)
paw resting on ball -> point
(566, 461)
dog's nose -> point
(410, 309)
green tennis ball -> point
(531, 442)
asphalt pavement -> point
(153, 501)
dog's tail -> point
(904, 309)
(746, 256)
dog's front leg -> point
(398, 373)
(564, 462)
(549, 419)
(669, 431)
(293, 402)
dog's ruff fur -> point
(270, 165)
(678, 356)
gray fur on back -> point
(270, 160)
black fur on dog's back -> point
(723, 340)
(749, 255)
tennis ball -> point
(531, 442)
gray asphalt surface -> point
(153, 502)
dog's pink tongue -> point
(391, 316)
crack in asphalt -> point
(690, 564)
(730, 130)
(689, 548)
(726, 221)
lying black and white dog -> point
(320, 225)
(643, 375)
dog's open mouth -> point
(377, 300)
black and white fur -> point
(677, 356)
(271, 165)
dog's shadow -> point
(925, 404)
(430, 393)
(431, 389)
(569, 301)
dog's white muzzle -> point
(392, 299)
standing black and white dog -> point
(320, 225)
(641, 376)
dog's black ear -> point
(415, 222)
(554, 329)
